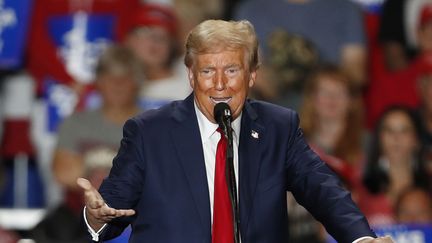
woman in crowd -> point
(332, 120)
(88, 140)
(393, 165)
(150, 31)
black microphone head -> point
(221, 111)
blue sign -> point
(61, 102)
(80, 39)
(370, 6)
(402, 233)
(14, 20)
(407, 233)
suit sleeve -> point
(122, 188)
(319, 190)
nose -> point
(220, 81)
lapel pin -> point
(254, 134)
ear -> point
(191, 77)
(252, 78)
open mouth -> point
(217, 100)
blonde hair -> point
(119, 60)
(349, 145)
(215, 35)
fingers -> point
(93, 202)
(105, 213)
(386, 239)
(125, 212)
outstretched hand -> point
(98, 212)
(386, 239)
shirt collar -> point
(207, 128)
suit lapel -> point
(187, 140)
(249, 161)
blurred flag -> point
(14, 18)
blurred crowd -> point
(359, 73)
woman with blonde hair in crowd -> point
(86, 134)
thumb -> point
(388, 239)
(84, 184)
(385, 239)
(92, 197)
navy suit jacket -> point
(160, 172)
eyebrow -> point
(207, 67)
(233, 65)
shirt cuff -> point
(94, 234)
(362, 238)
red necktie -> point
(223, 230)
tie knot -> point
(219, 130)
(222, 133)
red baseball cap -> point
(148, 15)
(426, 14)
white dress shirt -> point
(209, 138)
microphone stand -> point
(231, 180)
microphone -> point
(222, 115)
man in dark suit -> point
(163, 178)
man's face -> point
(221, 77)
